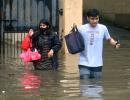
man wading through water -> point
(90, 62)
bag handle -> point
(74, 28)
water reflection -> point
(30, 82)
(91, 89)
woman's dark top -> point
(44, 43)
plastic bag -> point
(29, 55)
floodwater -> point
(19, 82)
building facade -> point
(116, 11)
(16, 16)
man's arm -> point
(114, 42)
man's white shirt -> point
(93, 39)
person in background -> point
(27, 42)
(48, 44)
(91, 62)
(31, 31)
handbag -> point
(74, 41)
(29, 55)
(26, 42)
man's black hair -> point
(92, 13)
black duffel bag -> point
(74, 41)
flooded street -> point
(19, 82)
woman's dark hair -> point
(28, 28)
(92, 13)
(46, 22)
(36, 34)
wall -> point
(72, 13)
(116, 11)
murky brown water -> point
(19, 82)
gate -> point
(16, 16)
